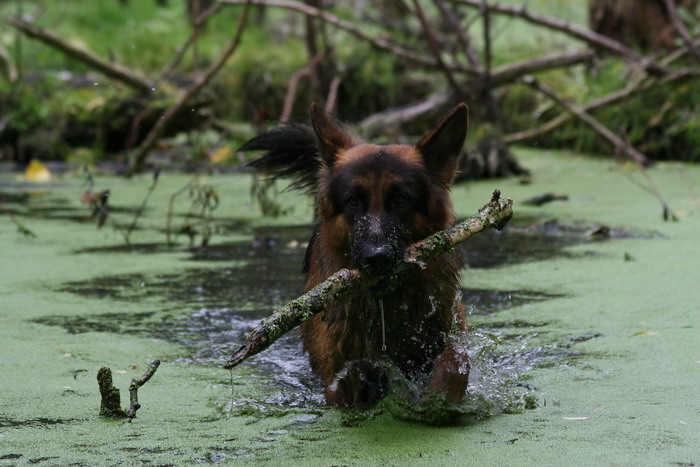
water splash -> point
(381, 309)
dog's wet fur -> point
(372, 201)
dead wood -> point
(197, 24)
(612, 98)
(138, 157)
(110, 406)
(594, 39)
(501, 76)
(113, 70)
(396, 116)
(435, 47)
(618, 143)
(134, 389)
(376, 41)
(680, 28)
(493, 215)
(305, 72)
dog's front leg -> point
(450, 375)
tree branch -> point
(681, 29)
(494, 215)
(134, 389)
(602, 130)
(405, 113)
(113, 70)
(507, 74)
(197, 25)
(432, 42)
(291, 94)
(584, 34)
(138, 157)
(500, 76)
(608, 99)
(376, 41)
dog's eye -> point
(353, 201)
(399, 200)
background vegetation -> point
(55, 107)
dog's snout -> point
(376, 255)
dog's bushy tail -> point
(292, 152)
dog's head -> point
(375, 200)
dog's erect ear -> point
(331, 135)
(440, 147)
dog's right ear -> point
(333, 138)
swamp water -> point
(600, 336)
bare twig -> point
(134, 389)
(620, 145)
(138, 157)
(139, 212)
(21, 229)
(432, 42)
(114, 70)
(332, 97)
(615, 97)
(376, 41)
(197, 25)
(494, 215)
(584, 34)
(500, 76)
(507, 74)
(462, 37)
(399, 115)
(680, 28)
(304, 72)
(602, 130)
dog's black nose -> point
(376, 256)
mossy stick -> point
(134, 389)
(494, 215)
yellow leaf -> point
(37, 172)
(219, 155)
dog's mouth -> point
(382, 287)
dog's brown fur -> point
(372, 201)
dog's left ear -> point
(440, 147)
(333, 138)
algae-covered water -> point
(601, 334)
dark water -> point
(257, 276)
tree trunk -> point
(639, 23)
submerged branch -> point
(134, 389)
(494, 215)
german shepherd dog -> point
(372, 201)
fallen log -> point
(495, 215)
